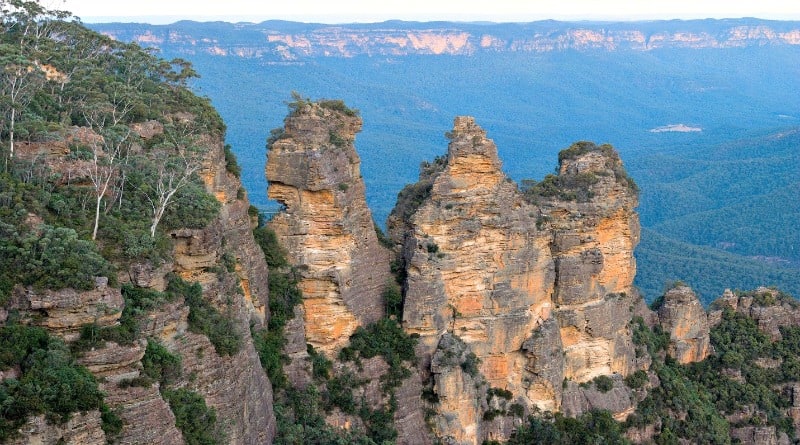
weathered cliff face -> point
(234, 385)
(595, 230)
(683, 317)
(326, 227)
(478, 270)
(537, 287)
(64, 312)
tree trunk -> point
(96, 216)
(11, 132)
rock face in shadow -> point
(536, 283)
(326, 227)
(683, 317)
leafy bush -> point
(273, 252)
(50, 382)
(161, 365)
(393, 299)
(197, 422)
(636, 380)
(50, 258)
(603, 383)
(206, 319)
(283, 296)
(337, 105)
(110, 423)
(594, 427)
(192, 208)
(385, 338)
(231, 165)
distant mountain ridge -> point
(291, 41)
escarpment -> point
(111, 331)
(326, 226)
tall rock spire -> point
(326, 227)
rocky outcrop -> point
(536, 284)
(81, 429)
(618, 399)
(770, 308)
(683, 317)
(460, 392)
(589, 207)
(765, 435)
(65, 311)
(326, 227)
(478, 269)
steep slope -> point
(130, 277)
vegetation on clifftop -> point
(102, 148)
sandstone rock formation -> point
(770, 308)
(326, 227)
(595, 230)
(683, 317)
(235, 386)
(537, 285)
(64, 311)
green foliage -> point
(300, 421)
(382, 238)
(273, 251)
(111, 423)
(50, 380)
(338, 106)
(412, 196)
(339, 392)
(636, 380)
(138, 302)
(206, 319)
(340, 142)
(49, 258)
(385, 338)
(499, 392)
(283, 296)
(567, 187)
(161, 365)
(702, 394)
(603, 383)
(576, 186)
(393, 299)
(321, 367)
(191, 208)
(470, 364)
(593, 427)
(231, 165)
(197, 422)
(655, 340)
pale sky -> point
(344, 11)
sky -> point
(348, 11)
